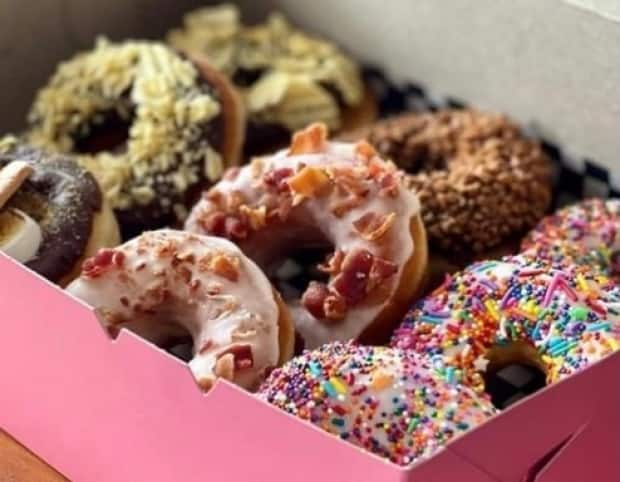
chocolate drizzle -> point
(63, 198)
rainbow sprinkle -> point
(392, 402)
(565, 311)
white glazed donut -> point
(336, 194)
(165, 284)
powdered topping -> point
(587, 233)
(479, 179)
(568, 314)
(165, 284)
(387, 401)
(282, 71)
(337, 192)
(170, 110)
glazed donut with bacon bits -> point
(167, 285)
(338, 196)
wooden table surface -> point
(17, 464)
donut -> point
(342, 197)
(388, 401)
(587, 232)
(52, 212)
(558, 318)
(287, 78)
(482, 184)
(165, 285)
(152, 126)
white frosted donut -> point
(338, 194)
(165, 284)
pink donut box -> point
(123, 410)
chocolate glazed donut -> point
(152, 125)
(56, 202)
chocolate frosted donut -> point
(481, 182)
(51, 220)
(151, 125)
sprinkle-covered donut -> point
(587, 232)
(344, 197)
(167, 284)
(287, 77)
(559, 318)
(388, 401)
(150, 124)
(52, 212)
(479, 179)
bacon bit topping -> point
(166, 248)
(215, 197)
(231, 173)
(186, 256)
(310, 140)
(313, 299)
(333, 264)
(309, 181)
(365, 150)
(98, 264)
(335, 307)
(352, 281)
(276, 178)
(214, 223)
(349, 181)
(235, 228)
(389, 185)
(225, 266)
(381, 270)
(242, 356)
(372, 226)
(256, 216)
(235, 199)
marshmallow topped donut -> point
(559, 318)
(587, 232)
(390, 402)
(340, 196)
(166, 284)
(52, 213)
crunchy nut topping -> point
(308, 181)
(373, 227)
(291, 67)
(159, 93)
(311, 140)
(478, 178)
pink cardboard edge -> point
(99, 409)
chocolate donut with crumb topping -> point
(153, 126)
(480, 181)
(52, 212)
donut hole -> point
(293, 272)
(514, 371)
(106, 132)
